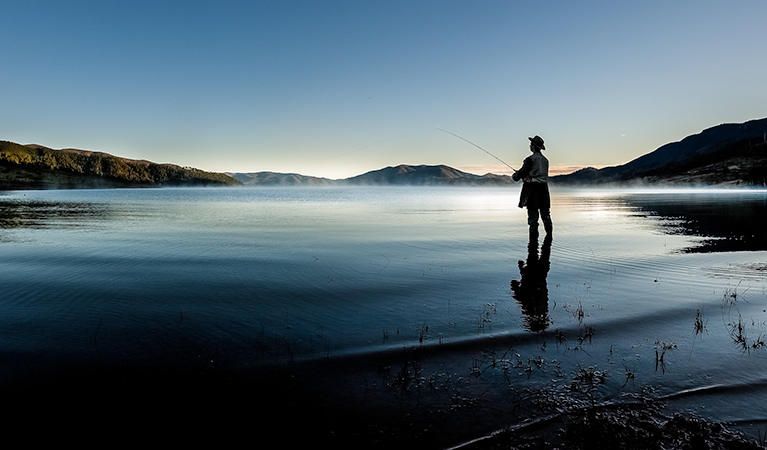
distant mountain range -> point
(403, 175)
(724, 155)
(728, 154)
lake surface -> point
(656, 293)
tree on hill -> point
(35, 167)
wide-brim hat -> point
(538, 142)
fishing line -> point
(464, 139)
(412, 134)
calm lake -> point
(400, 297)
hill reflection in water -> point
(725, 221)
(15, 213)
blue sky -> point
(338, 88)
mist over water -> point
(661, 290)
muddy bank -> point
(298, 406)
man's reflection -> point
(531, 290)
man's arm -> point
(522, 173)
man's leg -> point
(532, 218)
(546, 218)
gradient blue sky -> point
(338, 88)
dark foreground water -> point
(428, 315)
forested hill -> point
(724, 155)
(38, 167)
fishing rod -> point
(464, 139)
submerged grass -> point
(737, 328)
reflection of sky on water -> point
(716, 220)
(250, 277)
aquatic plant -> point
(423, 334)
(588, 377)
(587, 333)
(734, 323)
(559, 336)
(486, 314)
(660, 353)
(731, 295)
(700, 325)
(576, 310)
(409, 375)
(739, 335)
(630, 375)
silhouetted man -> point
(535, 186)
